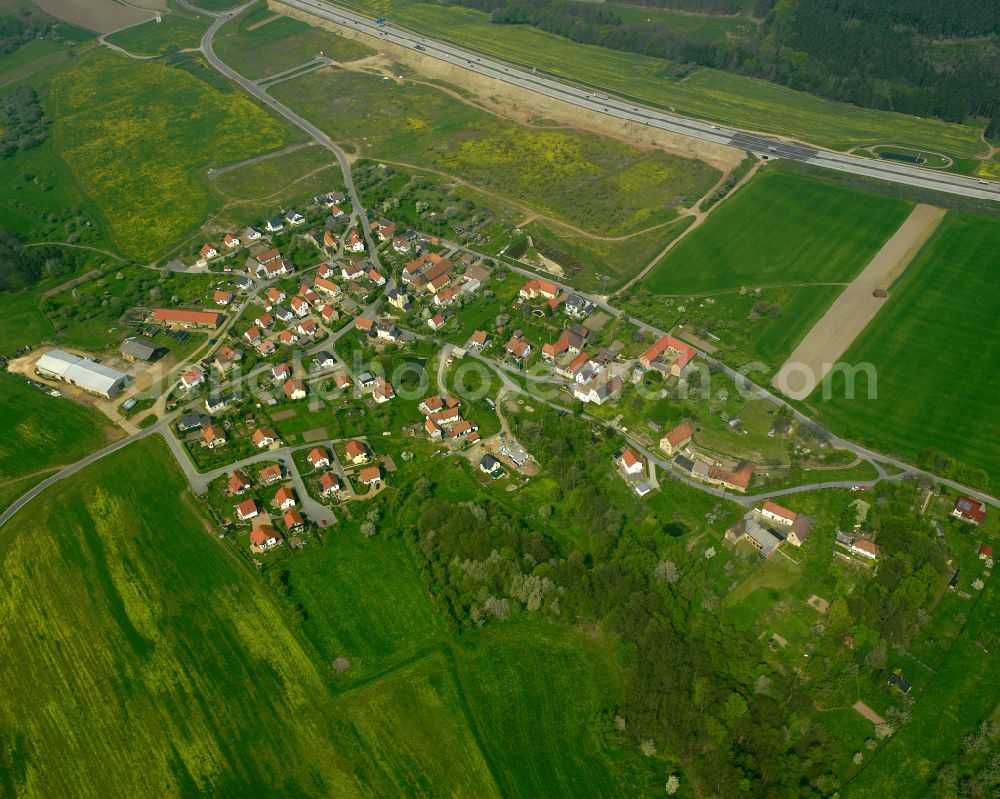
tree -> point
(673, 783)
(666, 571)
(368, 529)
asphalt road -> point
(622, 109)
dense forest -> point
(22, 123)
(914, 56)
(695, 687)
(21, 266)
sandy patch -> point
(526, 106)
(868, 713)
(820, 604)
(100, 16)
(825, 344)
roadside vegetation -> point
(175, 31)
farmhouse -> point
(736, 479)
(140, 349)
(598, 391)
(176, 317)
(629, 462)
(969, 510)
(81, 372)
(677, 439)
(668, 355)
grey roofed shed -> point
(141, 349)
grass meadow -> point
(599, 184)
(259, 52)
(936, 354)
(138, 137)
(272, 177)
(176, 31)
(41, 432)
(796, 239)
(707, 93)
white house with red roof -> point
(319, 458)
(247, 509)
(536, 287)
(668, 354)
(677, 439)
(192, 377)
(969, 510)
(207, 251)
(354, 242)
(630, 462)
(231, 241)
(222, 298)
(436, 322)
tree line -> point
(22, 123)
(20, 266)
(888, 55)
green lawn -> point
(258, 52)
(936, 353)
(797, 240)
(39, 432)
(598, 184)
(177, 30)
(707, 93)
(138, 137)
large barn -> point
(82, 372)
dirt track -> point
(101, 16)
(830, 337)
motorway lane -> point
(622, 109)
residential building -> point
(537, 287)
(969, 510)
(678, 438)
(264, 537)
(213, 435)
(284, 498)
(247, 509)
(319, 458)
(668, 355)
(264, 437)
(629, 462)
(176, 317)
(357, 452)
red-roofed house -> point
(280, 372)
(214, 436)
(284, 498)
(222, 297)
(354, 242)
(668, 355)
(518, 348)
(479, 339)
(295, 390)
(434, 432)
(319, 458)
(865, 548)
(436, 322)
(357, 451)
(208, 251)
(774, 512)
(985, 552)
(539, 288)
(329, 484)
(238, 484)
(247, 509)
(270, 474)
(370, 475)
(264, 437)
(737, 479)
(307, 327)
(364, 325)
(230, 241)
(677, 438)
(383, 391)
(192, 377)
(293, 520)
(264, 537)
(630, 462)
(969, 510)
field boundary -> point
(857, 305)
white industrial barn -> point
(81, 372)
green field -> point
(269, 177)
(706, 93)
(708, 28)
(599, 184)
(40, 432)
(138, 137)
(177, 30)
(936, 352)
(258, 52)
(798, 240)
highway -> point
(658, 120)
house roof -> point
(479, 337)
(684, 353)
(270, 472)
(294, 385)
(213, 433)
(293, 518)
(518, 346)
(971, 508)
(777, 510)
(986, 551)
(328, 481)
(355, 449)
(264, 432)
(318, 454)
(865, 545)
(261, 534)
(283, 494)
(369, 474)
(237, 481)
(247, 507)
(679, 434)
(213, 318)
(630, 459)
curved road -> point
(622, 109)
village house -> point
(274, 224)
(265, 320)
(376, 277)
(735, 479)
(985, 552)
(222, 298)
(750, 529)
(383, 391)
(370, 475)
(578, 307)
(354, 242)
(969, 510)
(273, 269)
(329, 313)
(865, 548)
(284, 498)
(287, 337)
(629, 462)
(518, 348)
(264, 437)
(568, 342)
(300, 306)
(280, 372)
(357, 452)
(270, 474)
(295, 390)
(247, 509)
(293, 520)
(275, 295)
(231, 241)
(479, 340)
(328, 484)
(226, 357)
(265, 348)
(294, 218)
(386, 331)
(244, 283)
(238, 484)
(433, 430)
(447, 296)
(435, 403)
(213, 435)
(190, 421)
(192, 377)
(252, 234)
(323, 360)
(306, 328)
(284, 313)
(263, 538)
(489, 465)
(208, 252)
(365, 325)
(343, 380)
(598, 390)
(319, 458)
(327, 286)
(401, 244)
(436, 322)
(536, 287)
(668, 355)
(463, 428)
(678, 438)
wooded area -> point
(20, 267)
(22, 123)
(925, 58)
